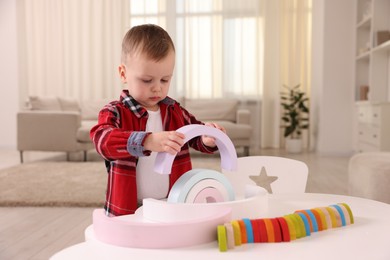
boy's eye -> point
(146, 80)
(164, 80)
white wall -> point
(9, 101)
(332, 78)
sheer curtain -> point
(287, 61)
(225, 48)
(219, 44)
(71, 47)
(219, 48)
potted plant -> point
(295, 116)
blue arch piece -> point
(184, 184)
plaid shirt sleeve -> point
(111, 141)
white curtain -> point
(225, 48)
(219, 48)
(70, 47)
(219, 44)
(287, 62)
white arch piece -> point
(163, 163)
(253, 205)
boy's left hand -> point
(208, 140)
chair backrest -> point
(263, 170)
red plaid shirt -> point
(119, 137)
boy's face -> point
(147, 80)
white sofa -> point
(63, 124)
(56, 124)
(225, 112)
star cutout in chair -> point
(263, 180)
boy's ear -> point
(122, 72)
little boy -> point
(132, 130)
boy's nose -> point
(156, 87)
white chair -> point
(276, 174)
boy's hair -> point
(149, 39)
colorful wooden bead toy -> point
(299, 224)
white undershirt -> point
(149, 183)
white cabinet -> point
(372, 80)
(373, 127)
(372, 62)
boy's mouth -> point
(154, 98)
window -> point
(219, 44)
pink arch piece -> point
(134, 231)
(163, 164)
(209, 195)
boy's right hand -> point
(167, 141)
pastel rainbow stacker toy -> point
(199, 201)
(202, 200)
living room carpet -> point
(64, 184)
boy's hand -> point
(208, 140)
(167, 141)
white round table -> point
(368, 238)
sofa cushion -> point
(83, 131)
(212, 109)
(69, 104)
(235, 131)
(44, 103)
(90, 108)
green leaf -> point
(294, 110)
